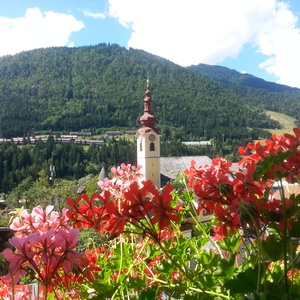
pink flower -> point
(39, 221)
(66, 242)
(23, 223)
(44, 220)
(124, 175)
(44, 245)
(21, 257)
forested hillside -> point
(96, 87)
(269, 95)
(71, 161)
(228, 76)
(21, 164)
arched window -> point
(141, 146)
(152, 147)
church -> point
(159, 169)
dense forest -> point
(98, 88)
(258, 92)
(70, 89)
(74, 161)
(71, 161)
(230, 78)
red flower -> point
(89, 212)
(242, 199)
(89, 267)
(118, 217)
(137, 200)
(162, 210)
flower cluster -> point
(44, 247)
(253, 253)
(142, 206)
(21, 292)
(280, 156)
(123, 176)
(244, 199)
(124, 201)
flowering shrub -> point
(248, 250)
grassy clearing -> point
(287, 122)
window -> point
(141, 146)
(152, 147)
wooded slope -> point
(100, 87)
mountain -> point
(260, 93)
(99, 87)
(229, 77)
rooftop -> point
(172, 166)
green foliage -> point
(89, 239)
(31, 193)
(97, 87)
(20, 165)
(92, 186)
(267, 95)
(231, 243)
(4, 219)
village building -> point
(148, 143)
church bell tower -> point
(148, 143)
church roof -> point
(171, 167)
(102, 174)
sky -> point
(259, 37)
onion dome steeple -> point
(148, 120)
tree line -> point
(23, 164)
(71, 161)
(70, 89)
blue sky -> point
(259, 37)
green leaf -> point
(149, 294)
(207, 281)
(136, 283)
(207, 259)
(230, 243)
(51, 296)
(201, 228)
(104, 276)
(104, 291)
(272, 248)
(295, 229)
(122, 256)
(225, 268)
(246, 282)
(187, 196)
(165, 267)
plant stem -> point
(284, 240)
(12, 284)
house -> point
(171, 167)
(199, 143)
(113, 133)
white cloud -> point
(88, 13)
(209, 31)
(36, 30)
